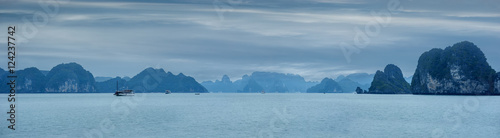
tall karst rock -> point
(70, 77)
(391, 81)
(460, 69)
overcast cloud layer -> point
(207, 39)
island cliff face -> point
(391, 81)
(458, 70)
(73, 78)
(157, 80)
(70, 77)
(497, 83)
(30, 80)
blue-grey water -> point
(252, 115)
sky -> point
(206, 39)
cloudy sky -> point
(209, 38)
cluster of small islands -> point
(460, 69)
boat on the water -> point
(197, 93)
(123, 92)
(262, 92)
(168, 92)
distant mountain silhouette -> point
(223, 85)
(252, 86)
(268, 81)
(73, 78)
(327, 85)
(349, 86)
(361, 78)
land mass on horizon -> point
(460, 69)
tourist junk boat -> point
(168, 92)
(124, 92)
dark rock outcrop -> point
(359, 90)
(70, 77)
(459, 70)
(327, 85)
(157, 80)
(30, 80)
(73, 78)
(497, 83)
(391, 81)
(4, 88)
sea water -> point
(251, 115)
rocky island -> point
(460, 69)
(73, 78)
(390, 81)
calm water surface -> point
(252, 115)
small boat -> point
(262, 92)
(124, 92)
(197, 93)
(168, 92)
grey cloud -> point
(300, 37)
